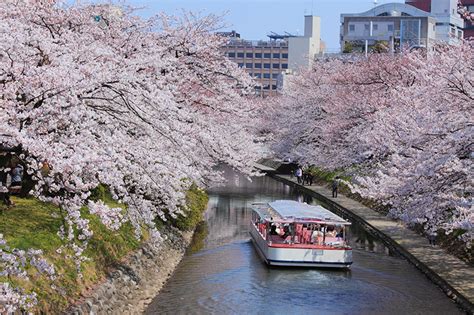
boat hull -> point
(286, 255)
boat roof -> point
(294, 211)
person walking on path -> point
(17, 175)
(432, 238)
(309, 178)
(299, 175)
(335, 186)
(5, 178)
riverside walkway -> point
(452, 275)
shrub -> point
(196, 201)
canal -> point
(223, 274)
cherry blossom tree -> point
(95, 95)
(400, 125)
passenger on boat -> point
(331, 232)
(273, 229)
(339, 233)
(315, 235)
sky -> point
(254, 19)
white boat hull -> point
(275, 255)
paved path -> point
(449, 272)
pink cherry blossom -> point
(401, 126)
(91, 94)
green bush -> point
(100, 193)
(196, 201)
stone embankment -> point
(132, 284)
(453, 276)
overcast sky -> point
(254, 19)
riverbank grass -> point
(34, 224)
(31, 223)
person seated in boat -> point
(286, 231)
(273, 229)
(339, 233)
(331, 231)
(315, 235)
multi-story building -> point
(390, 27)
(266, 60)
(394, 26)
(449, 24)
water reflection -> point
(223, 274)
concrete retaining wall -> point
(133, 284)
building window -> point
(284, 66)
(375, 27)
(241, 65)
(267, 55)
(276, 55)
(240, 55)
(275, 75)
(258, 66)
(258, 55)
(249, 55)
(276, 66)
(258, 75)
(390, 28)
(284, 56)
(352, 28)
(366, 27)
(274, 87)
(248, 65)
(266, 65)
(231, 55)
(266, 75)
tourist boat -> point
(291, 233)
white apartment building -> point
(401, 26)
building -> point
(388, 27)
(267, 60)
(395, 26)
(449, 24)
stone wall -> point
(132, 284)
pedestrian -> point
(432, 238)
(335, 186)
(299, 175)
(4, 179)
(309, 178)
(17, 177)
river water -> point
(223, 274)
